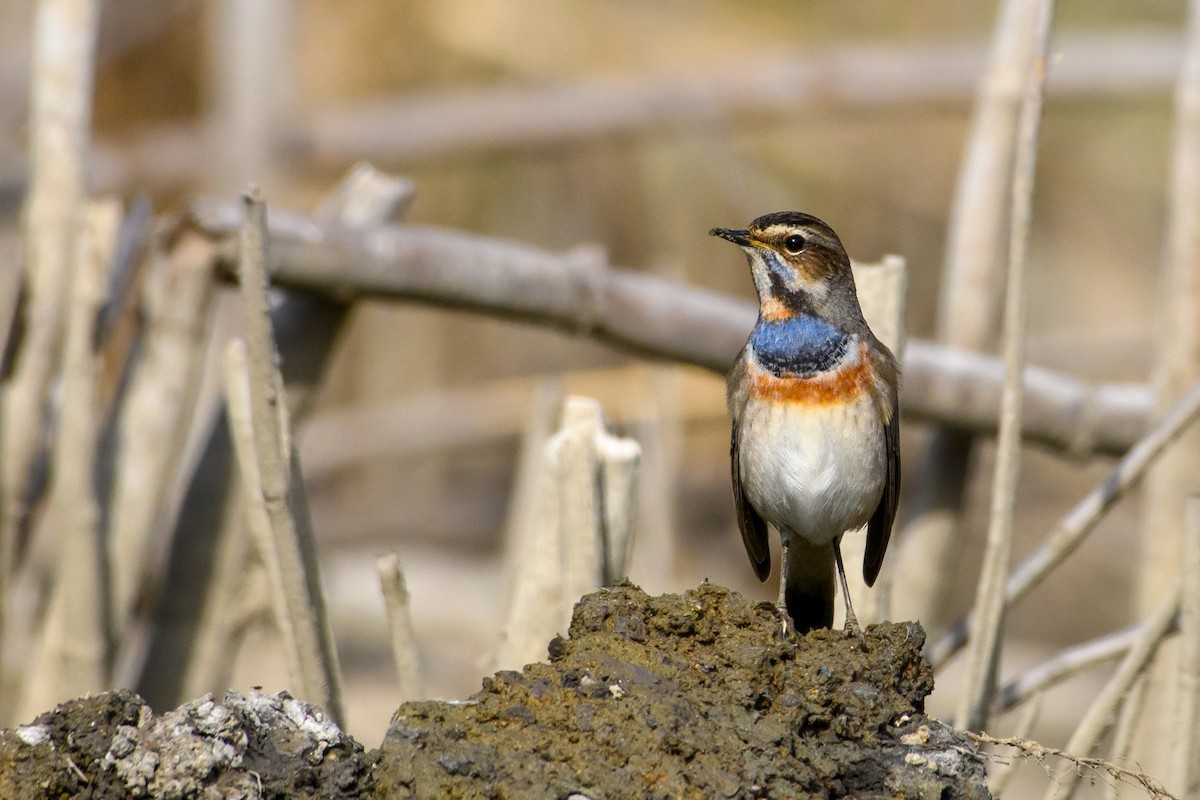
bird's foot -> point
(852, 628)
(786, 627)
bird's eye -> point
(794, 243)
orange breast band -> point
(838, 386)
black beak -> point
(741, 238)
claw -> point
(786, 625)
(852, 628)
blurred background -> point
(199, 98)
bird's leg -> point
(785, 619)
(851, 620)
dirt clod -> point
(112, 746)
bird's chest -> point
(812, 453)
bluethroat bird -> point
(813, 395)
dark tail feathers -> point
(809, 591)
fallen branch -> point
(849, 77)
(655, 317)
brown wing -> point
(879, 529)
(752, 526)
(754, 530)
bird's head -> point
(797, 261)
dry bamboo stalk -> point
(404, 643)
(658, 318)
(882, 292)
(303, 626)
(1103, 710)
(117, 315)
(1186, 771)
(573, 452)
(532, 547)
(153, 422)
(968, 305)
(64, 47)
(596, 476)
(620, 465)
(541, 416)
(291, 555)
(72, 658)
(1177, 474)
(658, 422)
(577, 526)
(1073, 528)
(990, 600)
(240, 405)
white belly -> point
(814, 470)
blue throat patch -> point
(802, 345)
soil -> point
(677, 696)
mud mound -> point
(689, 696)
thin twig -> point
(1029, 716)
(660, 318)
(1083, 518)
(1103, 710)
(990, 602)
(1039, 752)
